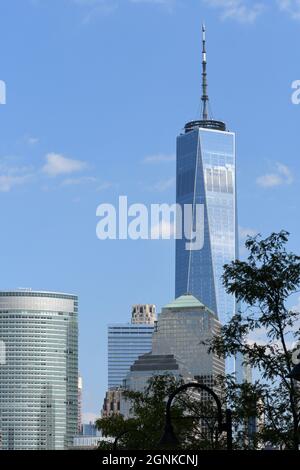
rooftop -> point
(187, 301)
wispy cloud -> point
(106, 185)
(159, 158)
(282, 176)
(292, 7)
(79, 181)
(89, 180)
(169, 4)
(95, 8)
(163, 185)
(31, 140)
(246, 232)
(12, 173)
(243, 11)
(7, 182)
(58, 164)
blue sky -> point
(97, 91)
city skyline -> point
(55, 169)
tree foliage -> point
(267, 332)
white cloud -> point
(95, 8)
(159, 158)
(78, 181)
(292, 7)
(167, 3)
(246, 232)
(282, 176)
(12, 173)
(32, 140)
(101, 186)
(105, 185)
(59, 165)
(163, 185)
(243, 11)
(7, 182)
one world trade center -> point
(206, 175)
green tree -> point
(264, 283)
(194, 420)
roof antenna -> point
(204, 76)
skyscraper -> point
(39, 380)
(127, 341)
(179, 348)
(183, 328)
(206, 175)
(79, 420)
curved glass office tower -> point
(39, 377)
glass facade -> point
(206, 175)
(39, 379)
(125, 343)
(182, 328)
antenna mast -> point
(204, 76)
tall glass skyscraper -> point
(39, 377)
(206, 175)
(127, 341)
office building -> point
(143, 314)
(128, 341)
(179, 348)
(183, 328)
(80, 385)
(39, 380)
(206, 175)
(88, 439)
(111, 405)
(178, 345)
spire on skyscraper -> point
(204, 76)
(206, 121)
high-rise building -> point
(179, 348)
(79, 421)
(111, 405)
(206, 175)
(39, 380)
(183, 329)
(143, 314)
(88, 438)
(128, 341)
